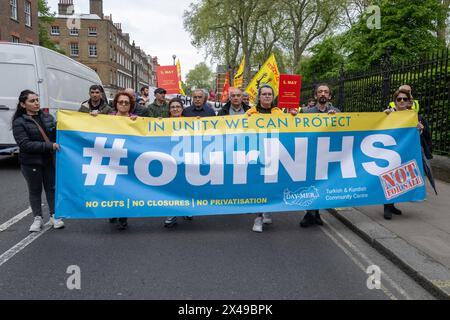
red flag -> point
(226, 89)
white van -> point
(60, 82)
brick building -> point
(96, 41)
(19, 21)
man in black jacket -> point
(235, 106)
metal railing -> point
(372, 90)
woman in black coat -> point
(35, 134)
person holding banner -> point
(322, 95)
(265, 102)
(265, 105)
(404, 101)
(235, 106)
(123, 102)
(35, 134)
(199, 106)
(176, 107)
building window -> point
(55, 31)
(74, 32)
(13, 5)
(74, 50)
(92, 50)
(15, 39)
(92, 32)
(28, 13)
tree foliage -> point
(45, 19)
(201, 77)
(408, 29)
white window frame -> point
(92, 48)
(53, 28)
(72, 49)
(27, 10)
(15, 39)
(13, 13)
(74, 32)
(92, 31)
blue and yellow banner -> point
(112, 166)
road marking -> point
(15, 219)
(365, 259)
(23, 244)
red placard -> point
(168, 79)
(289, 92)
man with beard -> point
(322, 95)
(144, 95)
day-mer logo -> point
(301, 197)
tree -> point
(442, 21)
(309, 20)
(228, 28)
(45, 19)
(325, 62)
(201, 77)
(408, 30)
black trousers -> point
(38, 177)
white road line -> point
(366, 260)
(23, 244)
(15, 219)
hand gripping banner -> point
(116, 167)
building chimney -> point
(66, 8)
(96, 7)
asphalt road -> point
(215, 257)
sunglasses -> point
(402, 99)
(197, 97)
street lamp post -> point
(174, 57)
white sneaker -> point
(37, 224)
(267, 218)
(56, 223)
(258, 225)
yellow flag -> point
(179, 78)
(239, 76)
(268, 74)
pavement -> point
(418, 241)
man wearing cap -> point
(159, 107)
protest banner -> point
(167, 77)
(239, 76)
(289, 92)
(180, 86)
(268, 74)
(115, 167)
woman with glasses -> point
(176, 108)
(403, 101)
(35, 134)
(122, 104)
(265, 104)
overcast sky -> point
(155, 25)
